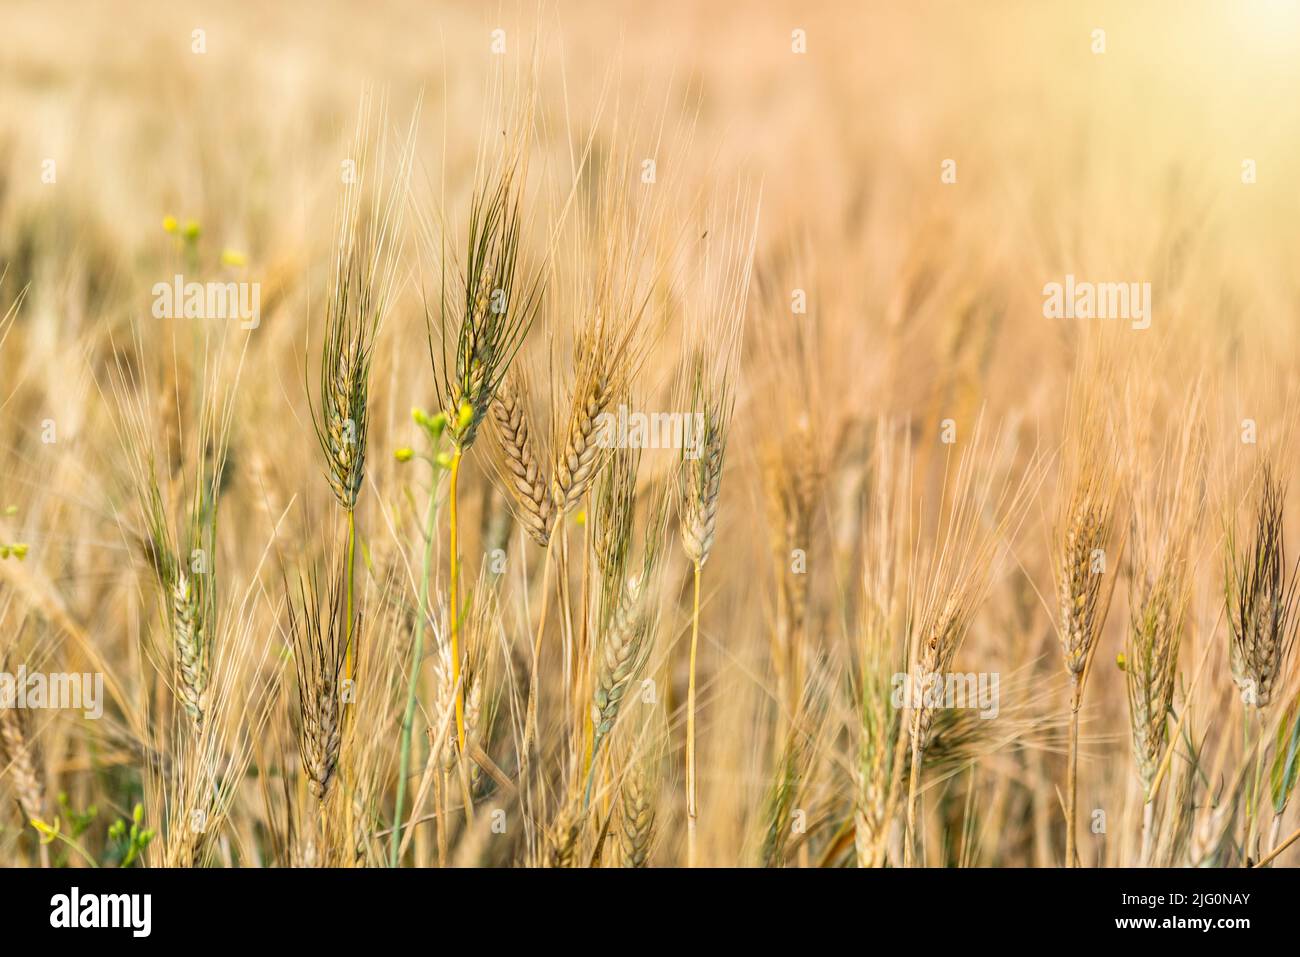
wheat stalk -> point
(1164, 516)
(1085, 542)
(883, 735)
(709, 389)
(367, 250)
(982, 512)
(484, 314)
(1260, 597)
(185, 576)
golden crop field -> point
(578, 434)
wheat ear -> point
(319, 638)
(18, 752)
(525, 479)
(636, 818)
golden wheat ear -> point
(1088, 540)
(1165, 516)
(628, 592)
(981, 513)
(636, 826)
(1261, 596)
(19, 757)
(176, 525)
(317, 630)
(520, 466)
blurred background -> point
(1120, 164)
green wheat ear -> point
(486, 311)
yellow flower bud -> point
(436, 426)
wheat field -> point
(592, 435)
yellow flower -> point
(233, 257)
(169, 224)
(48, 832)
(404, 454)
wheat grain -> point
(191, 651)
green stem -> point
(64, 839)
(455, 605)
(412, 694)
(351, 565)
(1256, 784)
(349, 666)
